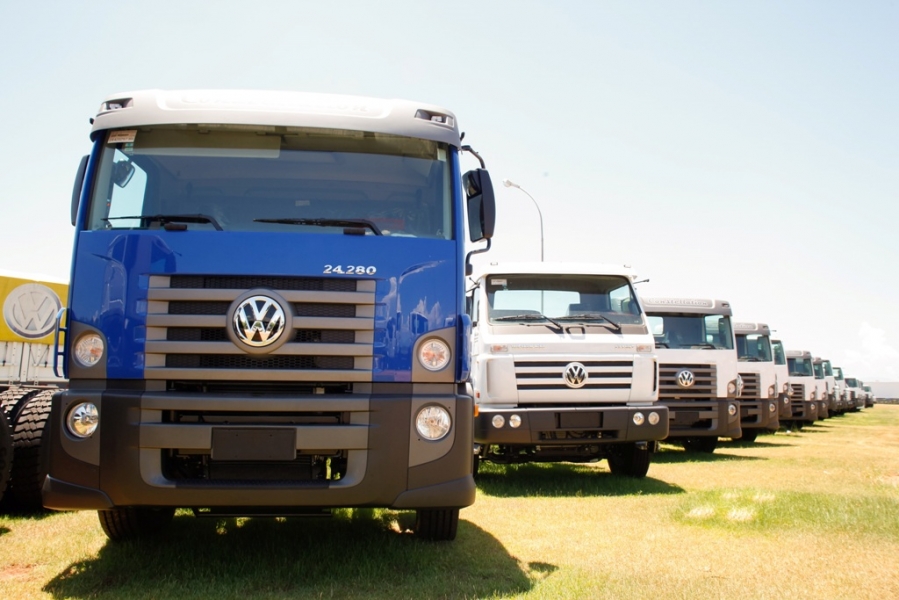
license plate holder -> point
(259, 444)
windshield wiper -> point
(528, 317)
(586, 316)
(750, 359)
(168, 221)
(358, 223)
(661, 345)
(705, 346)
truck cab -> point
(840, 390)
(698, 376)
(760, 400)
(804, 400)
(563, 367)
(869, 396)
(855, 393)
(821, 388)
(785, 413)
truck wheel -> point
(132, 522)
(628, 460)
(5, 452)
(28, 472)
(749, 435)
(13, 399)
(705, 444)
(475, 465)
(437, 524)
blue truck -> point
(266, 311)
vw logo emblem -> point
(258, 321)
(575, 375)
(685, 378)
(30, 310)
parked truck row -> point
(273, 310)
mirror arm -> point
(476, 155)
(468, 268)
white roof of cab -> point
(276, 108)
(799, 354)
(760, 328)
(552, 268)
(701, 306)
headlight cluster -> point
(652, 418)
(88, 349)
(434, 354)
(498, 421)
(772, 391)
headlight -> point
(732, 409)
(787, 389)
(639, 418)
(771, 391)
(83, 420)
(731, 388)
(434, 354)
(498, 421)
(433, 422)
(814, 394)
(514, 421)
(653, 418)
(88, 349)
(739, 385)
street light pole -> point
(510, 183)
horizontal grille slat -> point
(705, 382)
(542, 374)
(261, 281)
(751, 386)
(238, 361)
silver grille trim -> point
(705, 384)
(751, 388)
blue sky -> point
(746, 151)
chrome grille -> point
(705, 382)
(798, 391)
(187, 320)
(751, 389)
(550, 374)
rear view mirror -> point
(481, 204)
(76, 188)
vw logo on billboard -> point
(258, 321)
(685, 378)
(30, 310)
(575, 375)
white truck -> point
(869, 396)
(563, 367)
(27, 381)
(855, 393)
(760, 400)
(844, 403)
(785, 413)
(805, 391)
(822, 391)
(698, 378)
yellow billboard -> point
(29, 308)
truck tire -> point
(131, 522)
(437, 524)
(27, 476)
(5, 452)
(627, 460)
(749, 435)
(705, 444)
(13, 399)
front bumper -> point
(804, 410)
(703, 418)
(759, 414)
(570, 425)
(127, 462)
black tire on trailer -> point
(13, 399)
(28, 472)
(5, 452)
(627, 460)
(437, 524)
(749, 435)
(705, 444)
(132, 522)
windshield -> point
(606, 301)
(851, 382)
(838, 373)
(819, 370)
(828, 370)
(800, 367)
(753, 347)
(678, 330)
(309, 180)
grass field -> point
(811, 514)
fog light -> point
(83, 420)
(772, 407)
(786, 401)
(88, 349)
(653, 418)
(731, 409)
(498, 421)
(639, 418)
(433, 422)
(813, 407)
(514, 421)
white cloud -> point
(874, 359)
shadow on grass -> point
(564, 480)
(768, 441)
(357, 554)
(4, 530)
(676, 455)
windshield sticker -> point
(123, 136)
(497, 282)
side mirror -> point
(481, 204)
(76, 189)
